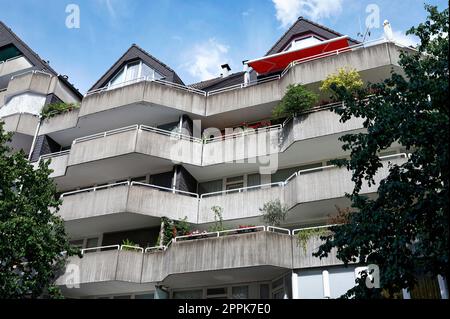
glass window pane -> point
(253, 180)
(77, 243)
(239, 292)
(132, 71)
(150, 73)
(310, 285)
(92, 242)
(122, 297)
(188, 294)
(341, 280)
(210, 187)
(264, 291)
(119, 78)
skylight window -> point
(133, 72)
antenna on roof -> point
(365, 35)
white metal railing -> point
(31, 72)
(242, 189)
(166, 189)
(170, 133)
(146, 79)
(275, 229)
(244, 85)
(109, 247)
(105, 134)
(296, 231)
(220, 233)
(247, 132)
(52, 155)
(130, 247)
(298, 173)
(93, 189)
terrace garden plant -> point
(129, 244)
(346, 78)
(274, 213)
(296, 100)
(53, 109)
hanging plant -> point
(303, 236)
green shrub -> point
(348, 79)
(127, 242)
(273, 212)
(218, 219)
(54, 109)
(296, 100)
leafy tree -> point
(274, 213)
(32, 237)
(345, 78)
(404, 230)
(296, 100)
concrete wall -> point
(14, 65)
(238, 205)
(59, 164)
(303, 258)
(103, 147)
(144, 92)
(261, 143)
(239, 99)
(173, 148)
(154, 202)
(59, 122)
(34, 82)
(212, 254)
(95, 203)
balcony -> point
(24, 126)
(124, 206)
(14, 65)
(34, 81)
(158, 101)
(259, 253)
(310, 195)
(263, 149)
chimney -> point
(225, 70)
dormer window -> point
(133, 72)
(303, 42)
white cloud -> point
(203, 60)
(406, 40)
(287, 11)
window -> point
(133, 71)
(234, 183)
(304, 42)
(310, 284)
(8, 52)
(216, 293)
(264, 291)
(210, 187)
(77, 243)
(188, 294)
(240, 292)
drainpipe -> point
(34, 138)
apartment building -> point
(144, 146)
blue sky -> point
(194, 37)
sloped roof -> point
(304, 26)
(7, 36)
(219, 82)
(135, 53)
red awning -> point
(279, 61)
